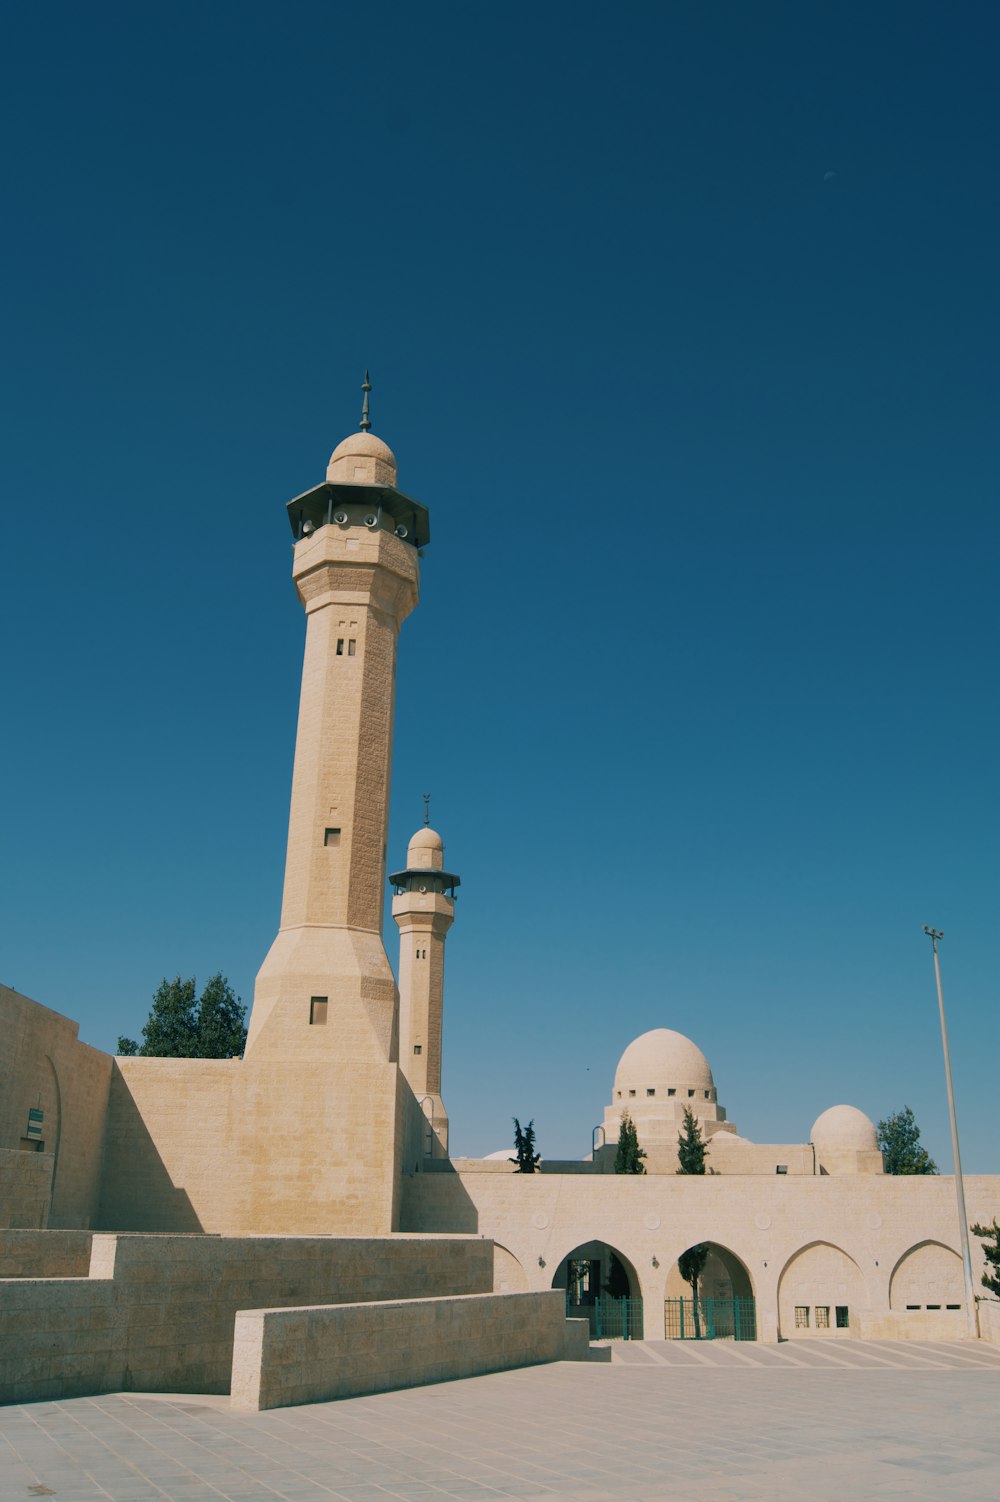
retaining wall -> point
(310, 1355)
(157, 1312)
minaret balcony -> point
(376, 507)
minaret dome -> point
(425, 851)
(362, 459)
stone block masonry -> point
(157, 1312)
(310, 1355)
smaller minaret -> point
(424, 909)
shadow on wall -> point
(435, 1199)
(137, 1192)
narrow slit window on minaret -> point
(317, 1011)
(331, 837)
(340, 646)
(418, 1048)
(351, 647)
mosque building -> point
(801, 1240)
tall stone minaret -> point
(424, 909)
(326, 988)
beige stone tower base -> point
(424, 909)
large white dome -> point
(666, 1062)
(844, 1128)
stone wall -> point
(45, 1254)
(253, 1147)
(285, 1356)
(25, 1188)
(869, 1223)
(157, 1313)
(989, 1321)
(46, 1069)
(925, 1325)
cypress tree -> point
(527, 1159)
(690, 1148)
(628, 1158)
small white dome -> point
(498, 1157)
(362, 459)
(663, 1060)
(425, 851)
(844, 1128)
(732, 1137)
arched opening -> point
(818, 1289)
(709, 1296)
(928, 1277)
(508, 1274)
(601, 1286)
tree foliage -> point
(691, 1265)
(181, 1027)
(899, 1139)
(990, 1237)
(527, 1159)
(690, 1147)
(628, 1158)
(618, 1285)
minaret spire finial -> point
(366, 421)
(427, 809)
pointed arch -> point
(819, 1286)
(508, 1274)
(726, 1276)
(927, 1276)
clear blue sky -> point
(683, 322)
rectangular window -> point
(953, 1306)
(708, 1094)
(631, 1092)
(802, 1316)
(843, 1322)
(331, 837)
(650, 1092)
(35, 1118)
(671, 1092)
(317, 1011)
(934, 1306)
(690, 1094)
(340, 646)
(913, 1306)
(781, 1168)
(418, 1048)
(822, 1316)
(351, 647)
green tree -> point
(690, 1148)
(990, 1237)
(691, 1265)
(178, 1027)
(899, 1139)
(628, 1158)
(618, 1285)
(527, 1159)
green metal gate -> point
(710, 1319)
(610, 1319)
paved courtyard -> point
(720, 1423)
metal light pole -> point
(963, 1220)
